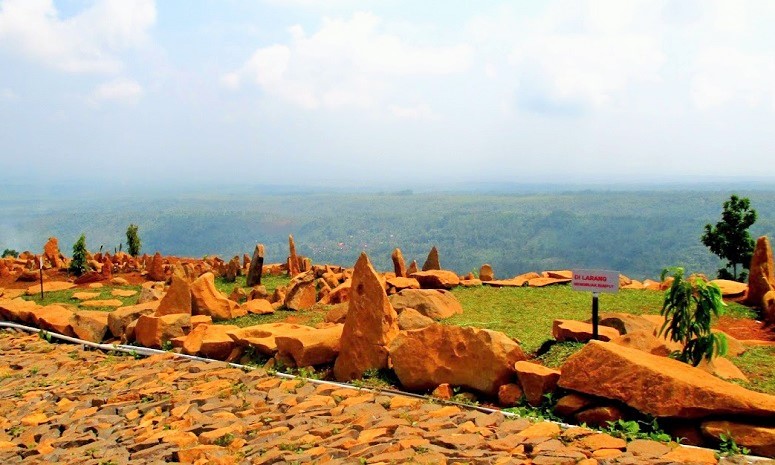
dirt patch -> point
(745, 328)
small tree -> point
(730, 239)
(133, 240)
(79, 265)
(10, 253)
(689, 307)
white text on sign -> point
(595, 281)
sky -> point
(385, 92)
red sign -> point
(595, 281)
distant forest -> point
(636, 233)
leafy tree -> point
(79, 265)
(10, 253)
(133, 240)
(730, 239)
(689, 306)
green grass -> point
(66, 297)
(270, 282)
(527, 313)
(758, 364)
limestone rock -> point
(90, 325)
(626, 323)
(311, 348)
(337, 313)
(760, 439)
(400, 284)
(154, 331)
(177, 299)
(656, 385)
(486, 273)
(120, 318)
(473, 358)
(151, 291)
(238, 294)
(412, 268)
(768, 307)
(433, 303)
(370, 326)
(572, 330)
(399, 266)
(543, 282)
(536, 381)
(761, 276)
(432, 262)
(646, 341)
(156, 269)
(207, 300)
(436, 279)
(410, 318)
(302, 293)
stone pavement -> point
(62, 404)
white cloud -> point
(416, 112)
(120, 90)
(726, 75)
(8, 94)
(348, 62)
(89, 42)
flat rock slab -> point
(105, 408)
(49, 286)
(103, 303)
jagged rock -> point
(370, 326)
(90, 325)
(156, 269)
(177, 299)
(656, 385)
(536, 381)
(293, 259)
(432, 262)
(154, 331)
(412, 268)
(486, 273)
(433, 303)
(151, 291)
(410, 318)
(233, 269)
(54, 318)
(119, 319)
(302, 293)
(339, 294)
(399, 266)
(256, 266)
(436, 279)
(337, 313)
(258, 292)
(311, 348)
(238, 294)
(572, 330)
(473, 358)
(759, 439)
(52, 254)
(207, 300)
(262, 337)
(211, 341)
(509, 395)
(761, 276)
(258, 307)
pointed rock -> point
(90, 325)
(301, 292)
(256, 266)
(761, 277)
(432, 262)
(52, 254)
(156, 269)
(398, 263)
(293, 259)
(412, 268)
(370, 327)
(177, 299)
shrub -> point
(689, 307)
(133, 243)
(10, 253)
(79, 265)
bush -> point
(133, 243)
(689, 307)
(10, 253)
(79, 265)
(730, 239)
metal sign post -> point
(41, 277)
(596, 281)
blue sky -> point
(392, 92)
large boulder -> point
(761, 275)
(659, 386)
(55, 318)
(177, 299)
(302, 293)
(211, 341)
(51, 253)
(477, 359)
(262, 338)
(17, 309)
(486, 273)
(153, 331)
(626, 323)
(370, 326)
(730, 288)
(207, 300)
(119, 319)
(436, 279)
(433, 303)
(90, 325)
(309, 348)
(410, 318)
(536, 381)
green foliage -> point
(730, 239)
(728, 446)
(10, 253)
(133, 243)
(79, 265)
(633, 429)
(377, 379)
(560, 352)
(758, 365)
(689, 307)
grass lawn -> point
(66, 297)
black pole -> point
(594, 316)
(41, 278)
